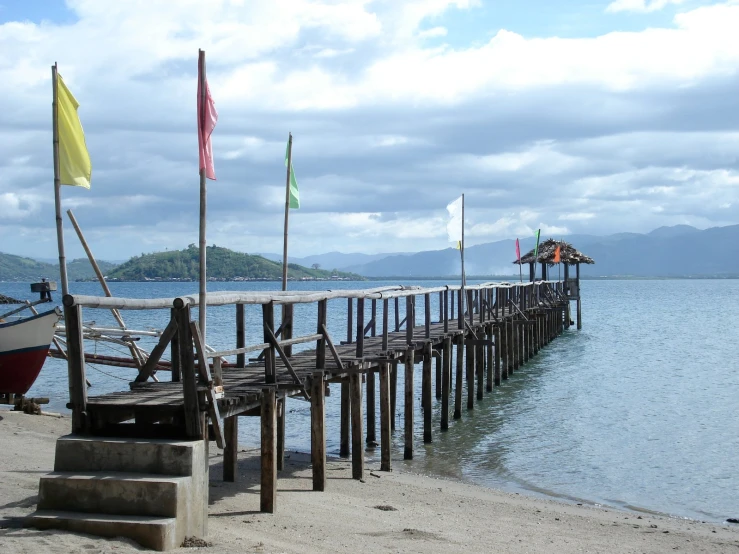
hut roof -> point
(567, 254)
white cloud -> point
(640, 6)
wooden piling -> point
(489, 358)
(393, 394)
(385, 417)
(231, 449)
(76, 368)
(318, 431)
(470, 358)
(409, 362)
(355, 387)
(345, 414)
(268, 491)
(458, 379)
(371, 422)
(281, 414)
(480, 369)
(446, 357)
(427, 358)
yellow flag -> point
(74, 159)
(459, 245)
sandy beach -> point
(394, 512)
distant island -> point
(223, 265)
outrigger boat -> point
(24, 343)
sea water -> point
(636, 410)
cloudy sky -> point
(576, 116)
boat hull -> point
(24, 345)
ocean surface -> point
(639, 409)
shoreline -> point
(399, 511)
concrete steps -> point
(152, 491)
(154, 533)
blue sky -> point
(574, 117)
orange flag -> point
(556, 255)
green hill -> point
(223, 265)
(18, 268)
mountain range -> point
(680, 250)
(677, 251)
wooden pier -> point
(480, 336)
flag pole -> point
(464, 279)
(520, 271)
(202, 304)
(287, 209)
(57, 181)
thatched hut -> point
(568, 256)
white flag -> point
(454, 225)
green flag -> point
(536, 250)
(294, 194)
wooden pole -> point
(464, 279)
(287, 209)
(268, 490)
(458, 379)
(345, 415)
(57, 180)
(446, 369)
(427, 358)
(318, 431)
(385, 417)
(76, 368)
(202, 305)
(355, 387)
(579, 303)
(409, 362)
(230, 452)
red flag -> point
(556, 255)
(518, 252)
(207, 118)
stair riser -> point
(79, 454)
(112, 496)
(154, 535)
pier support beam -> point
(458, 378)
(426, 392)
(498, 347)
(480, 367)
(409, 362)
(393, 394)
(355, 387)
(231, 448)
(281, 412)
(439, 377)
(489, 359)
(371, 432)
(385, 417)
(318, 431)
(345, 414)
(470, 353)
(268, 491)
(446, 375)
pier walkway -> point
(499, 327)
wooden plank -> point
(268, 490)
(318, 431)
(268, 324)
(76, 368)
(332, 348)
(174, 350)
(408, 420)
(210, 393)
(193, 425)
(285, 360)
(147, 370)
(385, 417)
(355, 393)
(230, 452)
